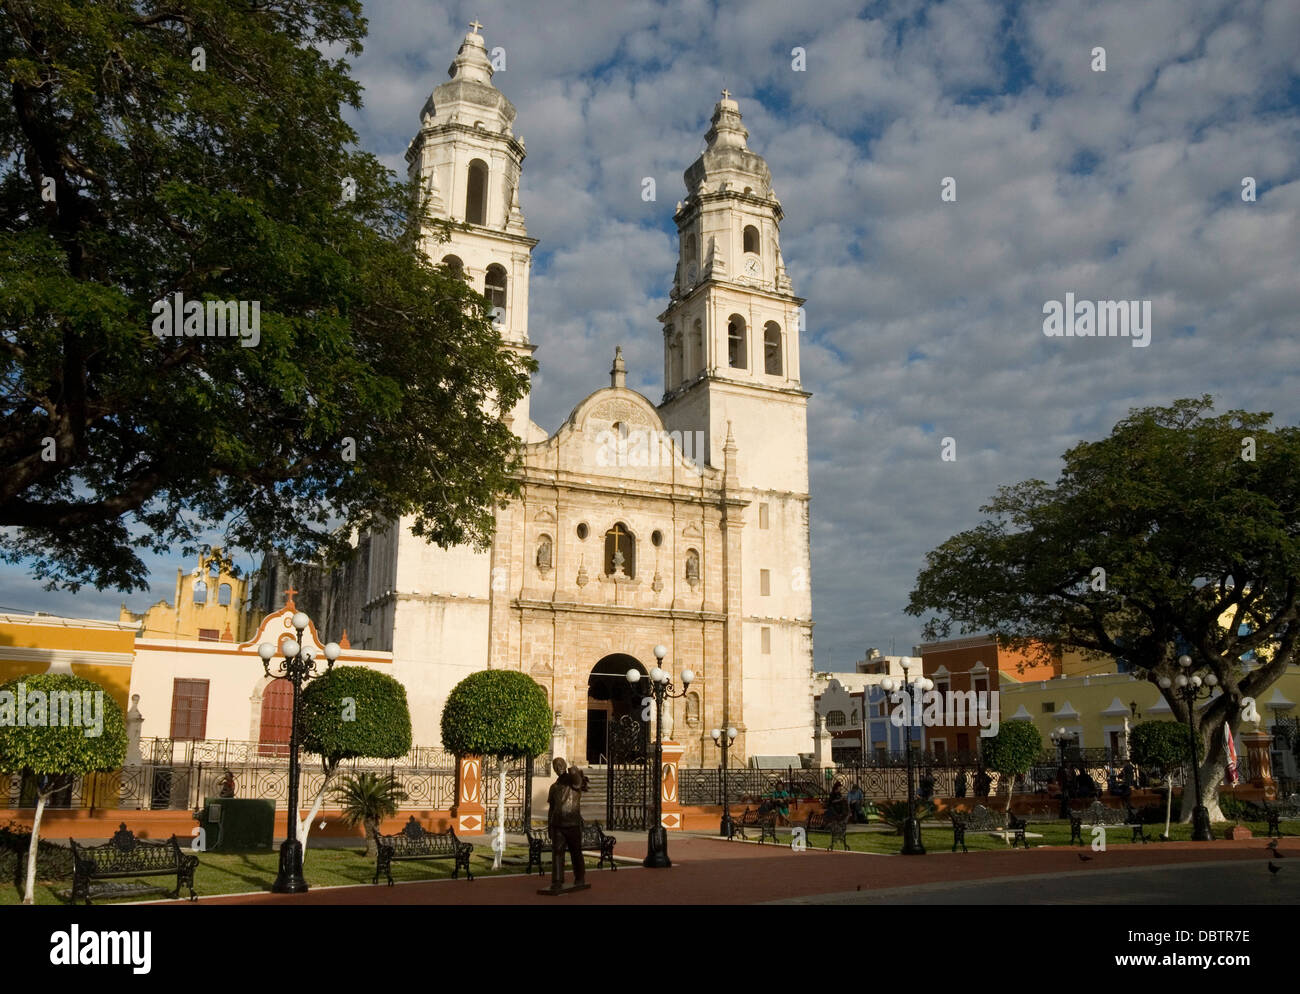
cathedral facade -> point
(683, 523)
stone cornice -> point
(24, 654)
(619, 610)
(677, 493)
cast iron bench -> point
(981, 821)
(1289, 809)
(594, 839)
(764, 821)
(829, 822)
(1099, 814)
(413, 842)
(126, 857)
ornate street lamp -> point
(661, 687)
(911, 827)
(723, 742)
(1060, 736)
(1190, 690)
(297, 666)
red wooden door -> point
(277, 711)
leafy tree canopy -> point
(1191, 517)
(200, 149)
(1014, 749)
(497, 713)
(63, 748)
(353, 711)
(1161, 745)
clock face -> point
(751, 265)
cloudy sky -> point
(925, 317)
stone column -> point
(134, 720)
(1261, 763)
(821, 742)
(469, 797)
(669, 799)
(558, 748)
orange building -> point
(977, 663)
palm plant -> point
(895, 813)
(366, 799)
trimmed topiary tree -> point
(1012, 752)
(1163, 746)
(348, 713)
(70, 727)
(501, 713)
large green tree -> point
(68, 726)
(199, 148)
(1149, 539)
(351, 712)
(501, 713)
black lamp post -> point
(1060, 736)
(912, 845)
(297, 666)
(661, 686)
(1190, 690)
(723, 741)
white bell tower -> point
(731, 366)
(467, 162)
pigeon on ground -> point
(1273, 867)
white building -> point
(682, 523)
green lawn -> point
(1054, 833)
(234, 873)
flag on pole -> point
(1233, 779)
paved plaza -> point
(712, 871)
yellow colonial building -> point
(210, 605)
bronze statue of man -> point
(564, 822)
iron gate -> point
(627, 786)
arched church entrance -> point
(609, 698)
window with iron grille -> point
(189, 709)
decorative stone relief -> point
(620, 410)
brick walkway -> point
(710, 871)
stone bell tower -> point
(467, 162)
(731, 361)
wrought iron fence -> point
(886, 780)
(239, 752)
(173, 777)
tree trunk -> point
(304, 826)
(1211, 773)
(1169, 801)
(1011, 787)
(33, 848)
(499, 843)
(372, 834)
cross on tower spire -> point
(475, 25)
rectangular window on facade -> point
(981, 685)
(767, 641)
(1049, 707)
(762, 515)
(189, 709)
(765, 582)
(940, 747)
(209, 635)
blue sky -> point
(924, 317)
